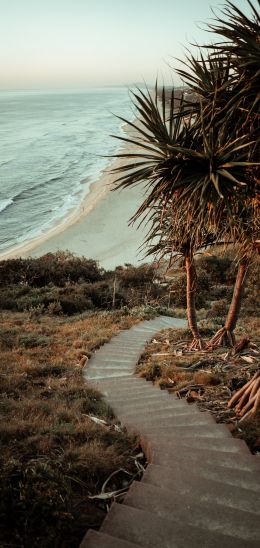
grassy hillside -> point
(52, 453)
(55, 311)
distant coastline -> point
(97, 228)
(45, 194)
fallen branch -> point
(188, 388)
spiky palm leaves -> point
(211, 81)
(242, 47)
(199, 156)
(188, 160)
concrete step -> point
(217, 471)
(145, 328)
(130, 396)
(104, 360)
(233, 455)
(104, 364)
(125, 342)
(167, 417)
(133, 343)
(131, 337)
(145, 400)
(174, 322)
(130, 382)
(152, 407)
(203, 491)
(97, 373)
(189, 482)
(95, 539)
(153, 410)
(151, 531)
(146, 389)
(206, 515)
(122, 351)
(104, 383)
(111, 350)
(229, 445)
(138, 395)
(211, 431)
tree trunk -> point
(225, 335)
(191, 286)
(235, 306)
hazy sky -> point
(92, 42)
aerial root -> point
(246, 401)
(223, 337)
(197, 344)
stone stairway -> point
(201, 488)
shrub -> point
(30, 340)
(219, 269)
(131, 276)
(54, 308)
(57, 268)
(219, 309)
(74, 304)
(7, 338)
(178, 290)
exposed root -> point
(246, 401)
(197, 344)
(239, 346)
(223, 337)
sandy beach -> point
(97, 229)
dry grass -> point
(52, 454)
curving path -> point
(201, 488)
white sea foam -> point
(4, 204)
(55, 147)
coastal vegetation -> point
(54, 455)
(198, 154)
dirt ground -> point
(205, 378)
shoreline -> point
(98, 228)
(98, 189)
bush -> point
(219, 309)
(30, 341)
(7, 338)
(219, 269)
(178, 290)
(54, 308)
(131, 276)
(56, 268)
(75, 304)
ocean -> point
(51, 148)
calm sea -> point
(50, 147)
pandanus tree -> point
(229, 79)
(202, 155)
(189, 160)
(242, 46)
(169, 240)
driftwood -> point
(246, 401)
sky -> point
(60, 43)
